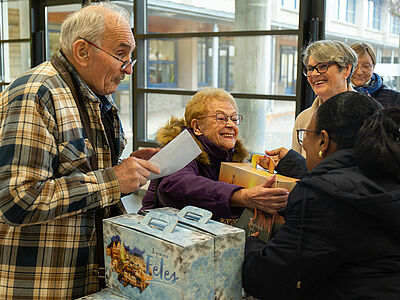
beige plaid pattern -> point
(48, 192)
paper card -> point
(175, 155)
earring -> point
(320, 154)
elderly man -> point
(60, 142)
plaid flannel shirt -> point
(48, 192)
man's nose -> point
(128, 70)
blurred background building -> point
(252, 48)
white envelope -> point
(175, 155)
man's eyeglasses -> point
(300, 134)
(125, 63)
(321, 68)
(222, 118)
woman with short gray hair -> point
(365, 80)
(328, 66)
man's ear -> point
(81, 53)
(196, 127)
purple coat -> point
(197, 184)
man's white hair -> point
(89, 23)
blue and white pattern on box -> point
(106, 294)
(153, 257)
(229, 245)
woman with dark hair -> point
(341, 237)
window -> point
(374, 14)
(204, 56)
(291, 4)
(162, 71)
(350, 11)
(345, 10)
(55, 15)
(395, 24)
(288, 69)
(15, 43)
(188, 45)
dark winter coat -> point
(197, 184)
(380, 91)
(387, 96)
(341, 239)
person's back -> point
(341, 237)
(358, 217)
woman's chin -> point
(228, 145)
(359, 82)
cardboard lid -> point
(191, 215)
(204, 222)
(162, 226)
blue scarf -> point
(372, 86)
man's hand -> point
(145, 153)
(133, 172)
(262, 197)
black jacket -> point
(341, 239)
(386, 96)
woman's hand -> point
(277, 154)
(265, 162)
(262, 197)
(256, 234)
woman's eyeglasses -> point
(300, 134)
(222, 118)
(364, 67)
(125, 63)
(321, 68)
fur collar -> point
(175, 126)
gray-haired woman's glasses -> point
(125, 63)
(321, 68)
(300, 134)
(222, 118)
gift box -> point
(252, 220)
(245, 175)
(154, 257)
(229, 244)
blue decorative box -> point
(154, 257)
(105, 294)
(229, 244)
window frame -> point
(9, 41)
(308, 10)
